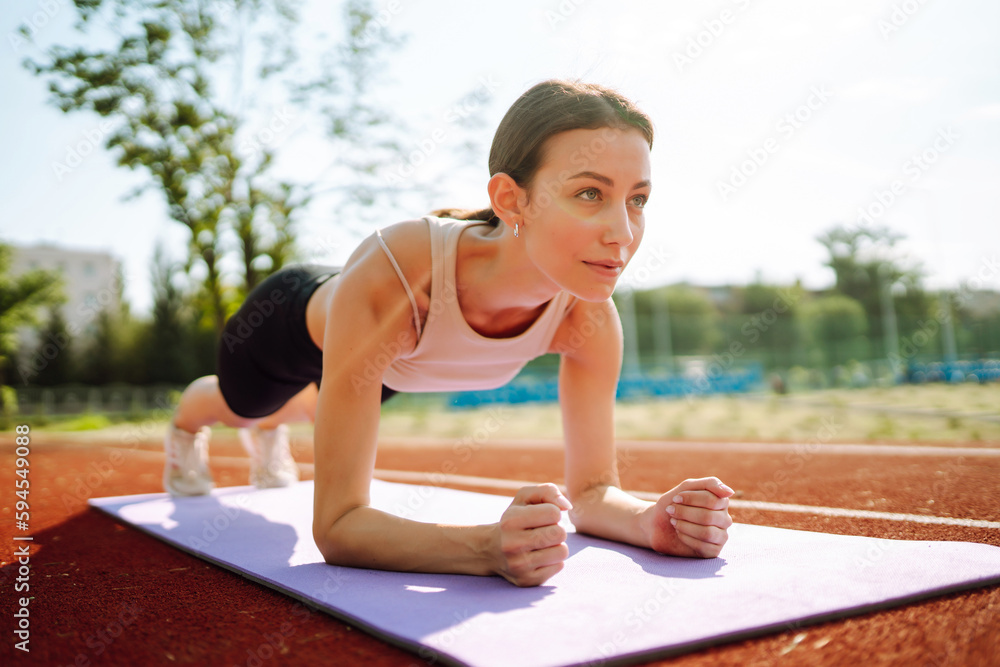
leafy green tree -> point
(863, 259)
(54, 352)
(179, 108)
(155, 89)
(167, 351)
(20, 299)
(977, 323)
(693, 319)
(765, 324)
(836, 325)
(102, 357)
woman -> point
(461, 303)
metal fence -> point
(711, 375)
(109, 400)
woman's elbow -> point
(325, 543)
(332, 541)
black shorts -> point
(265, 354)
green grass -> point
(86, 422)
(821, 415)
(965, 398)
(831, 415)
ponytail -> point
(485, 214)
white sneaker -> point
(271, 462)
(186, 471)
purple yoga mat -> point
(611, 603)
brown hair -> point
(544, 110)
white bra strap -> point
(402, 279)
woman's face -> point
(584, 215)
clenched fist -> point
(529, 544)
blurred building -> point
(91, 282)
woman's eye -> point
(639, 201)
(590, 194)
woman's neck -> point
(500, 291)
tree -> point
(100, 363)
(167, 352)
(862, 259)
(692, 318)
(20, 299)
(206, 152)
(155, 90)
(976, 316)
(835, 324)
(765, 325)
(54, 352)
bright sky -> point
(775, 120)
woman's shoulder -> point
(407, 244)
(587, 327)
(410, 241)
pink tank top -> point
(450, 355)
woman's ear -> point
(507, 198)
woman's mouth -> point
(610, 268)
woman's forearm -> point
(370, 538)
(608, 512)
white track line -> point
(440, 479)
(810, 449)
(513, 485)
(853, 514)
(801, 448)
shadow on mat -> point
(225, 531)
(660, 565)
(263, 548)
(423, 604)
(259, 542)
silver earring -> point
(515, 230)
